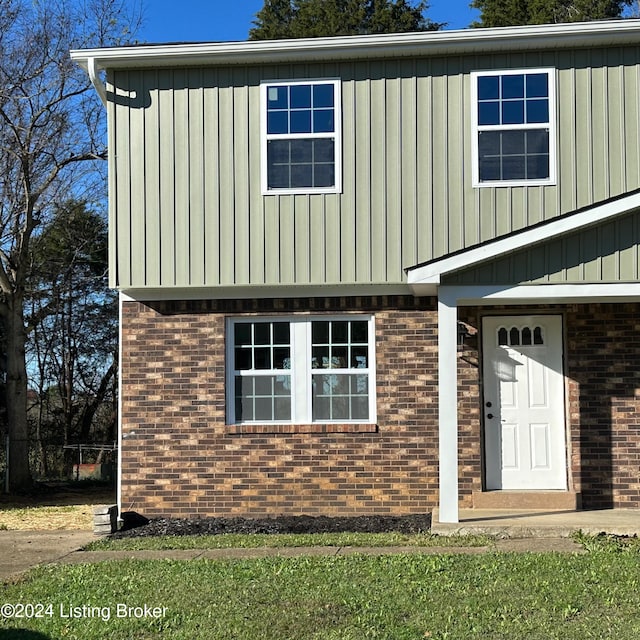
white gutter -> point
(429, 43)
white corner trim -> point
(432, 272)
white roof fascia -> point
(430, 274)
(556, 36)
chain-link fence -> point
(52, 461)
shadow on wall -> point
(604, 363)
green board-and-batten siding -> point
(605, 253)
(186, 205)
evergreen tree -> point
(317, 18)
(504, 13)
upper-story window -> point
(513, 119)
(301, 145)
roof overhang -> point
(429, 43)
(425, 278)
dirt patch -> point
(49, 507)
(280, 524)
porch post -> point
(448, 404)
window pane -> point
(243, 359)
(262, 358)
(320, 332)
(489, 113)
(301, 151)
(263, 386)
(537, 141)
(282, 409)
(278, 151)
(300, 96)
(538, 167)
(277, 122)
(359, 332)
(242, 334)
(488, 87)
(512, 142)
(360, 408)
(512, 86)
(262, 333)
(537, 111)
(513, 168)
(339, 357)
(281, 333)
(324, 175)
(323, 121)
(263, 409)
(489, 143)
(339, 332)
(537, 85)
(281, 358)
(323, 95)
(359, 357)
(278, 177)
(324, 150)
(277, 97)
(301, 175)
(300, 122)
(513, 112)
(320, 358)
(489, 169)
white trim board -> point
(466, 295)
(432, 272)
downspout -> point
(119, 463)
(98, 85)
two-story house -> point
(377, 274)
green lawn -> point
(398, 597)
(232, 540)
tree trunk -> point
(19, 472)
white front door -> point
(524, 402)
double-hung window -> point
(301, 143)
(301, 371)
(513, 121)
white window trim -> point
(336, 135)
(551, 180)
(300, 372)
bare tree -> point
(51, 138)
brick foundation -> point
(179, 458)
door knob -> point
(489, 415)
(488, 404)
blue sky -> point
(217, 20)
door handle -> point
(489, 415)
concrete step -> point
(530, 500)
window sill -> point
(277, 429)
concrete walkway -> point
(21, 550)
(535, 524)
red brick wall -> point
(603, 368)
(182, 459)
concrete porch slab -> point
(536, 524)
